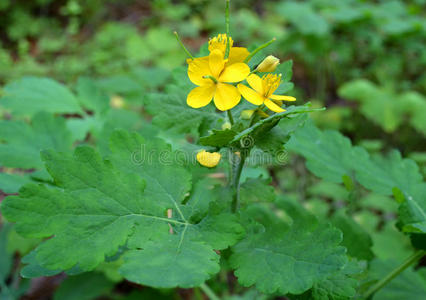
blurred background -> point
(363, 60)
(345, 53)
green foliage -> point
(410, 284)
(83, 287)
(384, 107)
(274, 258)
(23, 142)
(132, 200)
(30, 95)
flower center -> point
(219, 42)
(270, 83)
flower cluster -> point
(216, 75)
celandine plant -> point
(166, 224)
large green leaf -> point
(99, 209)
(287, 258)
(391, 174)
(30, 95)
(23, 142)
(329, 154)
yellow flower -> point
(212, 74)
(208, 159)
(261, 91)
(269, 64)
(236, 54)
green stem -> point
(394, 273)
(183, 46)
(254, 52)
(236, 180)
(231, 119)
(211, 78)
(228, 46)
(209, 292)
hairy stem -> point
(231, 119)
(228, 47)
(183, 46)
(206, 289)
(254, 52)
(237, 169)
(394, 273)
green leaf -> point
(170, 262)
(409, 284)
(91, 96)
(412, 212)
(171, 112)
(265, 125)
(218, 138)
(355, 238)
(384, 174)
(11, 183)
(287, 258)
(257, 190)
(100, 206)
(23, 142)
(30, 95)
(329, 154)
(339, 286)
(83, 287)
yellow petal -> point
(234, 73)
(272, 106)
(282, 97)
(226, 96)
(256, 83)
(250, 95)
(201, 96)
(216, 62)
(208, 159)
(237, 55)
(197, 68)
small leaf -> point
(218, 138)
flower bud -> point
(226, 125)
(246, 114)
(208, 159)
(269, 64)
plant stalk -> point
(183, 46)
(228, 46)
(208, 291)
(254, 52)
(394, 273)
(236, 180)
(231, 119)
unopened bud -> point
(269, 64)
(208, 159)
(246, 114)
(226, 125)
